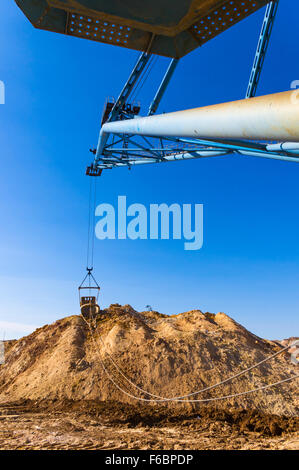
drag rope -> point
(181, 398)
(199, 391)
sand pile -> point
(166, 355)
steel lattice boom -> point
(210, 131)
(262, 47)
(245, 127)
(172, 28)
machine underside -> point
(170, 28)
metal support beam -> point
(178, 149)
(116, 113)
(125, 93)
(162, 88)
(262, 47)
(203, 153)
(142, 147)
(109, 162)
(127, 89)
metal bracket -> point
(162, 88)
(93, 171)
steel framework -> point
(128, 140)
(262, 47)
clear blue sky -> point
(55, 90)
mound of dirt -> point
(165, 355)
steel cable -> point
(181, 399)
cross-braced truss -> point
(127, 150)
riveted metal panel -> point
(165, 27)
(220, 19)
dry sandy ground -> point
(56, 394)
(75, 426)
(165, 355)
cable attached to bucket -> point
(91, 223)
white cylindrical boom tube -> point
(290, 147)
(265, 118)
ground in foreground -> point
(71, 425)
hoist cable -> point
(146, 76)
(89, 224)
(136, 86)
(93, 219)
(143, 78)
